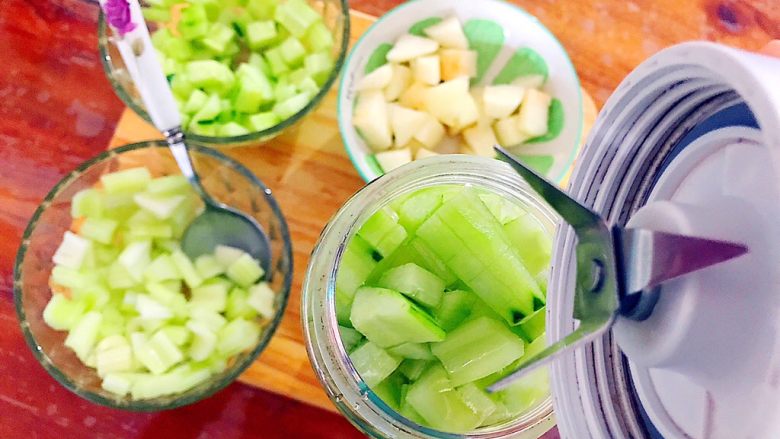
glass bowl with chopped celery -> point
(242, 71)
(425, 288)
(116, 311)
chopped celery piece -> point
(211, 294)
(83, 336)
(373, 363)
(113, 354)
(204, 341)
(128, 180)
(72, 251)
(162, 268)
(238, 336)
(226, 255)
(61, 313)
(135, 258)
(237, 305)
(98, 229)
(261, 298)
(162, 207)
(87, 203)
(245, 270)
(207, 266)
(186, 269)
(172, 184)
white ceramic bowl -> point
(520, 30)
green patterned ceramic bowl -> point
(509, 42)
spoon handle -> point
(144, 68)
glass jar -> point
(330, 360)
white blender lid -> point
(689, 143)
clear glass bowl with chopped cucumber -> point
(242, 71)
(427, 286)
(116, 312)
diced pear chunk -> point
(451, 103)
(378, 79)
(480, 139)
(372, 121)
(500, 101)
(405, 123)
(402, 76)
(508, 132)
(426, 69)
(533, 115)
(457, 62)
(392, 159)
(529, 81)
(448, 33)
(430, 133)
(413, 96)
(423, 153)
(408, 47)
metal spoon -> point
(218, 224)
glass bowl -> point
(227, 180)
(336, 17)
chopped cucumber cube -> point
(434, 397)
(413, 369)
(477, 400)
(162, 207)
(477, 349)
(292, 51)
(245, 270)
(135, 258)
(349, 337)
(219, 37)
(263, 121)
(195, 102)
(113, 354)
(416, 351)
(210, 75)
(373, 363)
(387, 318)
(171, 184)
(226, 255)
(151, 309)
(319, 66)
(87, 203)
(211, 295)
(318, 38)
(276, 62)
(414, 282)
(186, 269)
(232, 129)
(292, 105)
(204, 341)
(296, 16)
(162, 268)
(193, 22)
(260, 34)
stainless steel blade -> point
(584, 334)
(648, 258)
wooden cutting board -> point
(311, 176)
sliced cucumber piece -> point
(373, 363)
(349, 338)
(477, 349)
(414, 282)
(387, 318)
(454, 308)
(245, 271)
(434, 397)
(418, 351)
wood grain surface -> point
(57, 109)
(311, 176)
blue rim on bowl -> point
(216, 382)
(357, 153)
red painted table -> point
(57, 109)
